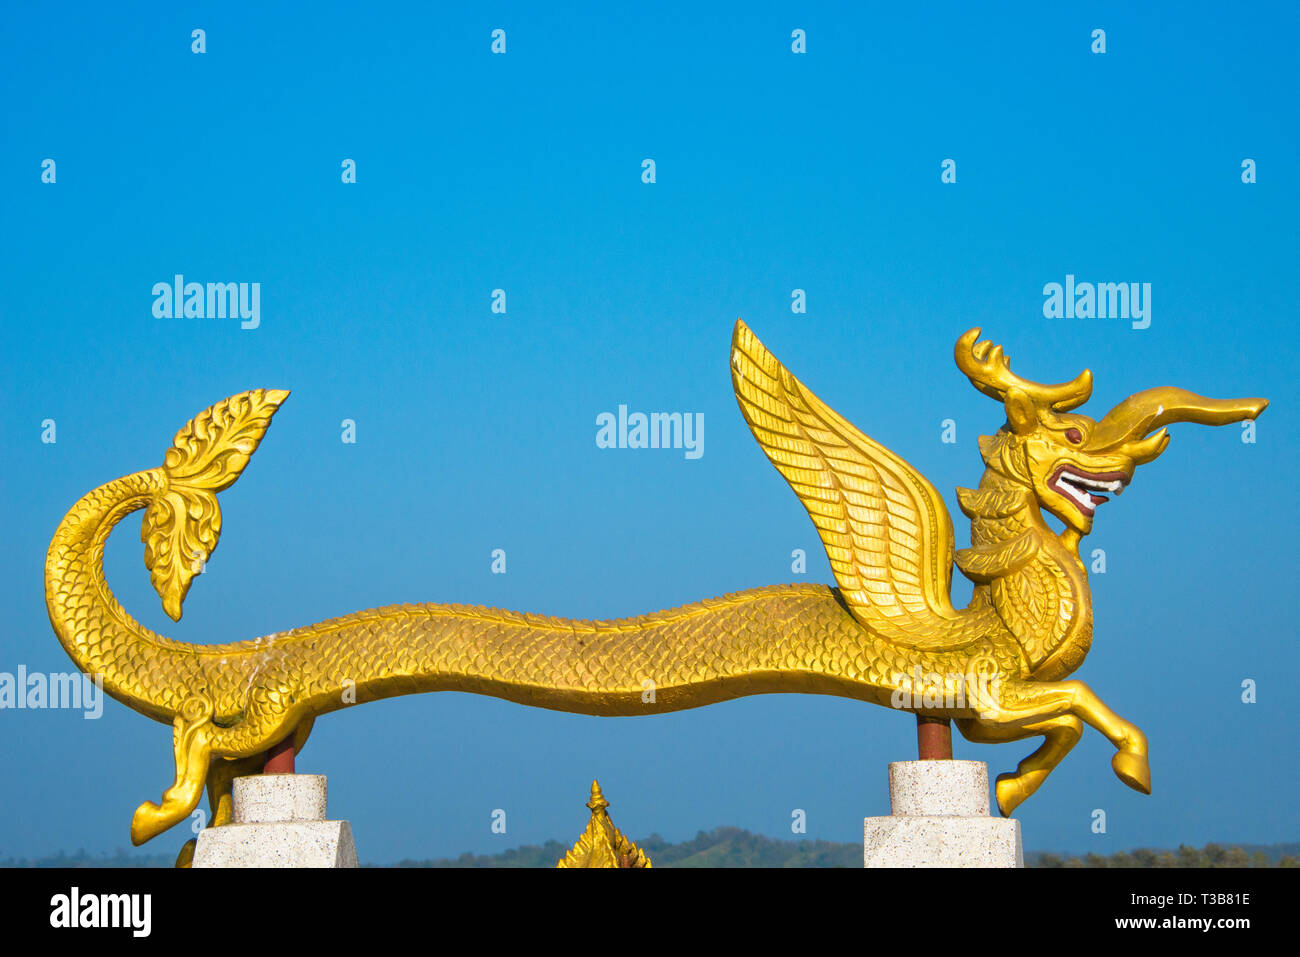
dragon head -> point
(1070, 461)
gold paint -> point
(888, 634)
(602, 844)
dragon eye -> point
(1074, 435)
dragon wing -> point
(885, 528)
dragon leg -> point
(221, 777)
(301, 732)
(1022, 702)
(192, 734)
(1060, 734)
(196, 740)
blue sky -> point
(476, 431)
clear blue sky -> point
(475, 431)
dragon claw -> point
(1132, 768)
(147, 822)
(1010, 793)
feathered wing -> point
(885, 528)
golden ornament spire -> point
(602, 844)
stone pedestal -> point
(940, 819)
(279, 822)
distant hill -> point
(1211, 855)
(721, 847)
(119, 858)
(733, 847)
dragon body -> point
(888, 634)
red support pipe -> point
(279, 760)
(933, 738)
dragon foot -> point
(1132, 768)
(1013, 788)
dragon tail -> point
(183, 522)
(181, 526)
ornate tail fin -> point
(182, 524)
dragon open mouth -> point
(1082, 487)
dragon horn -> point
(1127, 426)
(990, 372)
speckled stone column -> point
(940, 819)
(279, 822)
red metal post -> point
(279, 760)
(933, 738)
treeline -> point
(734, 847)
(119, 858)
(1211, 855)
(721, 847)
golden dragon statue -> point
(878, 637)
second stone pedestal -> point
(940, 819)
(279, 822)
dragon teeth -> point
(1080, 496)
(1081, 489)
(1071, 478)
